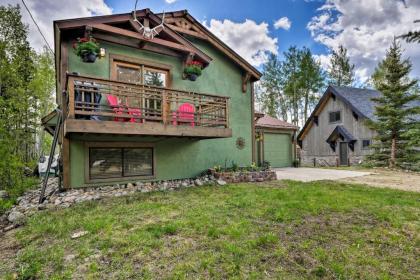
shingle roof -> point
(343, 132)
(270, 122)
(360, 99)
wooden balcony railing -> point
(90, 98)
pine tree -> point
(395, 110)
(412, 36)
(341, 72)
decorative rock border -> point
(245, 176)
(28, 203)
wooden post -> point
(164, 108)
(70, 93)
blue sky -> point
(299, 13)
(365, 27)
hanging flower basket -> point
(87, 49)
(193, 70)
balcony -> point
(102, 106)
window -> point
(105, 163)
(365, 144)
(139, 74)
(335, 117)
(143, 74)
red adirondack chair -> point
(184, 114)
(119, 109)
(116, 107)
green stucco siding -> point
(278, 149)
(177, 157)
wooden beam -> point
(253, 123)
(134, 43)
(148, 128)
(138, 36)
(245, 79)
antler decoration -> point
(148, 33)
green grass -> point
(289, 231)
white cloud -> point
(170, 1)
(283, 23)
(249, 39)
(46, 11)
(366, 29)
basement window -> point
(107, 163)
(335, 117)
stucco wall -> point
(176, 157)
(315, 145)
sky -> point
(253, 28)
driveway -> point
(315, 174)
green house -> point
(134, 114)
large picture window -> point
(107, 163)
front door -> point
(343, 153)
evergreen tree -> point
(412, 36)
(341, 72)
(395, 111)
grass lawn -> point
(286, 230)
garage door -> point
(278, 149)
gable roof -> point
(270, 122)
(185, 23)
(341, 131)
(359, 100)
(107, 23)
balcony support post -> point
(70, 92)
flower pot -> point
(192, 77)
(89, 57)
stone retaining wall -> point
(245, 176)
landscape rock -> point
(4, 194)
(78, 234)
(221, 182)
(16, 217)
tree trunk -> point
(393, 152)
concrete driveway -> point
(315, 174)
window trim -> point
(335, 111)
(368, 147)
(117, 145)
(115, 59)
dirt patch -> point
(408, 181)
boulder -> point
(220, 182)
(198, 182)
(16, 217)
